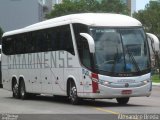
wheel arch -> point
(14, 79)
(21, 78)
(70, 79)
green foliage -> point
(150, 17)
(86, 6)
(156, 78)
(114, 6)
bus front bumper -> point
(105, 92)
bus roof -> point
(91, 19)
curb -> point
(156, 84)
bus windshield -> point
(120, 50)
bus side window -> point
(64, 39)
(30, 43)
(43, 41)
(68, 41)
(82, 44)
(18, 44)
(40, 41)
(84, 52)
(48, 41)
(53, 39)
(8, 45)
(58, 37)
(25, 42)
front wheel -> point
(122, 101)
(73, 94)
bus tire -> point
(15, 89)
(23, 93)
(73, 94)
(122, 101)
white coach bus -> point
(88, 55)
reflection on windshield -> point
(120, 50)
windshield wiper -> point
(133, 59)
(115, 61)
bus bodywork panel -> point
(114, 87)
(43, 72)
(90, 19)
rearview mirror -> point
(153, 42)
(90, 42)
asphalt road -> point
(42, 106)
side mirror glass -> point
(90, 41)
(153, 42)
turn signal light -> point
(95, 80)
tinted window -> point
(8, 45)
(82, 44)
(64, 39)
(52, 39)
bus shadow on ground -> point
(84, 102)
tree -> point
(150, 17)
(86, 6)
(1, 33)
(114, 6)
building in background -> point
(46, 8)
(56, 1)
(131, 5)
(15, 14)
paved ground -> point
(48, 105)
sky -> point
(140, 4)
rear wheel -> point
(122, 101)
(23, 94)
(15, 90)
(73, 94)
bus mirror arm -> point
(90, 41)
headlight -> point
(145, 82)
(105, 83)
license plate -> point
(126, 92)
